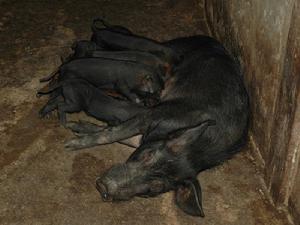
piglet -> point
(75, 95)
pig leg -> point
(156, 124)
(123, 88)
(51, 105)
(109, 135)
(114, 28)
(84, 127)
(66, 108)
(62, 115)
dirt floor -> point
(40, 182)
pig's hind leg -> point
(51, 105)
(124, 89)
(64, 108)
(113, 28)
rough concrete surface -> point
(40, 182)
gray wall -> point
(264, 35)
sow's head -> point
(157, 167)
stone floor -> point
(41, 183)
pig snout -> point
(123, 182)
(103, 190)
(114, 185)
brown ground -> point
(41, 183)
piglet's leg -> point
(109, 135)
(114, 28)
(63, 109)
(124, 89)
(51, 105)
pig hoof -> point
(81, 142)
(41, 115)
(75, 127)
(137, 100)
(78, 134)
(49, 115)
(75, 144)
(72, 125)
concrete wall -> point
(264, 35)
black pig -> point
(201, 121)
(107, 27)
(122, 41)
(145, 58)
(88, 49)
(79, 95)
(83, 48)
(127, 77)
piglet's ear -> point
(189, 197)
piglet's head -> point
(150, 84)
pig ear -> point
(178, 139)
(189, 197)
(189, 131)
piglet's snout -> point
(151, 90)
